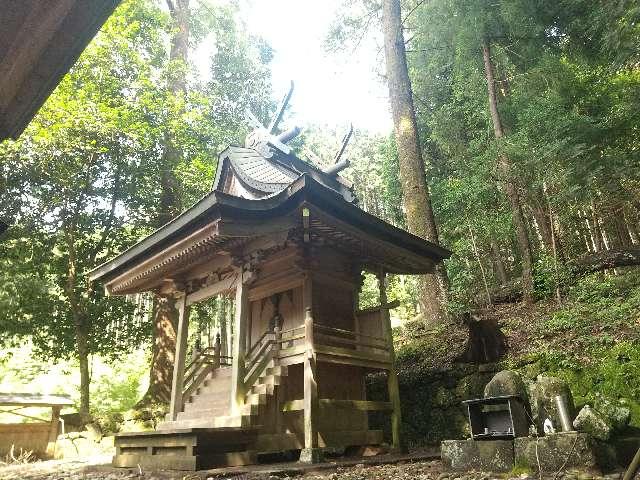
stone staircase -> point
(210, 405)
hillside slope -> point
(592, 341)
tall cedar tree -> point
(511, 189)
(417, 202)
(165, 317)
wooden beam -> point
(279, 284)
(199, 237)
(228, 228)
(351, 353)
(212, 290)
(219, 263)
(238, 387)
(310, 374)
(360, 405)
(334, 281)
(53, 431)
(337, 360)
(359, 235)
(181, 353)
(266, 242)
(392, 376)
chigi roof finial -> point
(264, 139)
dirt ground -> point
(96, 469)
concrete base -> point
(568, 450)
(311, 455)
(487, 455)
(186, 449)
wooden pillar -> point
(216, 352)
(181, 353)
(392, 377)
(238, 388)
(53, 432)
(310, 386)
(311, 452)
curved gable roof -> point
(396, 245)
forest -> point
(516, 146)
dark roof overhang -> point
(39, 42)
(303, 191)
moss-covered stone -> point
(493, 455)
(469, 387)
(543, 404)
(506, 382)
(593, 422)
(617, 413)
(553, 452)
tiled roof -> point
(258, 172)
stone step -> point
(203, 413)
(206, 409)
(224, 421)
(214, 384)
(220, 396)
(234, 421)
(263, 388)
(199, 423)
(224, 372)
(256, 399)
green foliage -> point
(121, 390)
(82, 183)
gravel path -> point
(89, 469)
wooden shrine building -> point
(287, 241)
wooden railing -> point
(259, 356)
(292, 337)
(338, 337)
(278, 344)
(202, 364)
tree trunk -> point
(596, 230)
(504, 167)
(632, 224)
(165, 314)
(163, 350)
(622, 232)
(416, 199)
(498, 263)
(543, 222)
(479, 260)
(170, 204)
(596, 262)
(82, 342)
(79, 320)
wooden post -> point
(277, 338)
(310, 454)
(181, 352)
(216, 352)
(392, 377)
(238, 388)
(53, 432)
